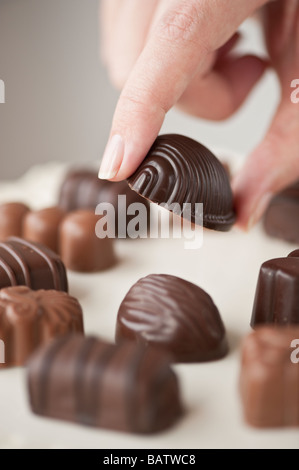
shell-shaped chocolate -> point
(178, 170)
(30, 318)
(174, 315)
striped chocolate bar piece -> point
(30, 264)
(87, 381)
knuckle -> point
(139, 103)
(180, 25)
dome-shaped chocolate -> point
(179, 170)
(169, 313)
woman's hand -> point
(166, 53)
(275, 162)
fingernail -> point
(259, 210)
(112, 158)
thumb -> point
(273, 165)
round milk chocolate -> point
(11, 219)
(43, 226)
(80, 248)
(174, 315)
(178, 170)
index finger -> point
(175, 51)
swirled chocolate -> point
(269, 378)
(30, 318)
(86, 381)
(12, 215)
(30, 264)
(178, 170)
(281, 219)
(277, 293)
(174, 315)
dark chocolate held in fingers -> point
(174, 315)
(180, 170)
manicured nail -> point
(259, 210)
(112, 158)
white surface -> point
(226, 267)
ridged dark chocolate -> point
(180, 170)
(174, 315)
(269, 379)
(277, 293)
(90, 382)
(30, 264)
(281, 219)
(30, 318)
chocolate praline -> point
(174, 315)
(80, 248)
(281, 218)
(42, 226)
(30, 318)
(30, 264)
(277, 293)
(12, 215)
(269, 379)
(90, 382)
(82, 189)
(178, 170)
